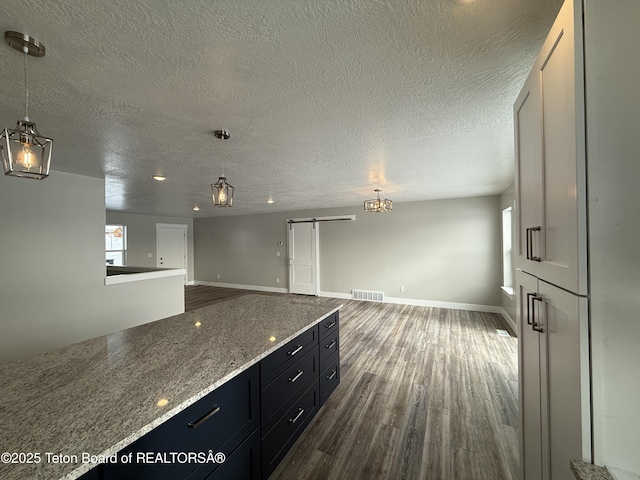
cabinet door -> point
(528, 151)
(561, 244)
(529, 379)
(550, 160)
(565, 378)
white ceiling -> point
(325, 100)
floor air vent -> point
(368, 295)
(503, 333)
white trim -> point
(425, 303)
(242, 287)
(433, 303)
(134, 277)
(509, 320)
(190, 282)
(508, 291)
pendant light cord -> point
(26, 87)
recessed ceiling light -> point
(270, 200)
(160, 178)
(196, 208)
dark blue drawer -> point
(225, 416)
(275, 398)
(329, 346)
(279, 440)
(329, 325)
(275, 363)
(242, 464)
(329, 378)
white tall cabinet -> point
(577, 137)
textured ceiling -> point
(325, 99)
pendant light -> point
(221, 191)
(377, 205)
(25, 153)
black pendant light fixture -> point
(377, 205)
(25, 153)
(221, 191)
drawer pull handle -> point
(330, 345)
(333, 374)
(300, 372)
(330, 325)
(293, 352)
(197, 423)
(295, 419)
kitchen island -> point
(101, 395)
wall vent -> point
(368, 295)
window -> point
(116, 244)
(507, 270)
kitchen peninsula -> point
(99, 396)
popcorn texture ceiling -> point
(325, 100)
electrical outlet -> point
(277, 280)
(277, 254)
(402, 289)
(149, 255)
(218, 276)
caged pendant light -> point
(377, 205)
(25, 153)
(221, 191)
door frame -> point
(316, 221)
(174, 226)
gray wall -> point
(444, 250)
(507, 199)
(52, 290)
(141, 237)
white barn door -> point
(303, 258)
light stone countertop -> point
(100, 395)
(587, 471)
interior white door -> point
(171, 244)
(303, 258)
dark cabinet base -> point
(242, 464)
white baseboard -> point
(452, 305)
(426, 303)
(190, 282)
(509, 320)
(243, 287)
(400, 301)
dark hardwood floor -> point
(426, 393)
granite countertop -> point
(100, 395)
(587, 471)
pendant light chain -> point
(26, 85)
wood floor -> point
(425, 393)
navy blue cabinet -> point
(93, 474)
(253, 419)
(292, 389)
(243, 464)
(328, 331)
(219, 422)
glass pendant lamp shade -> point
(378, 205)
(25, 153)
(222, 193)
